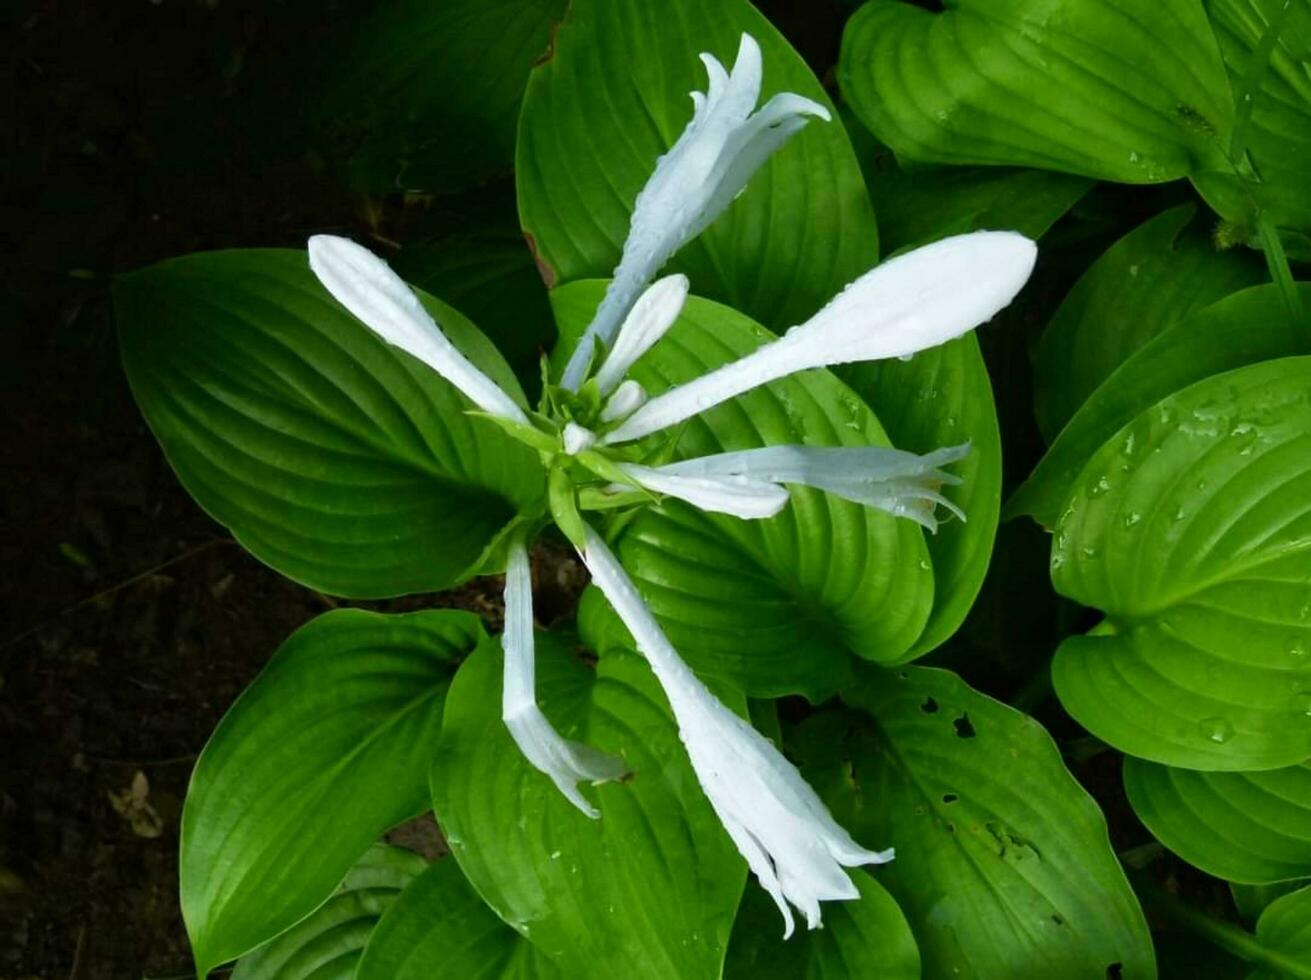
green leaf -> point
(1191, 529)
(917, 205)
(1285, 930)
(865, 937)
(1095, 88)
(340, 461)
(649, 889)
(327, 749)
(1248, 327)
(328, 944)
(425, 97)
(776, 605)
(440, 927)
(1277, 135)
(1159, 273)
(1003, 865)
(1252, 900)
(614, 97)
(1250, 827)
(943, 397)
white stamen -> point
(907, 304)
(734, 495)
(565, 762)
(651, 316)
(789, 839)
(381, 300)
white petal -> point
(736, 496)
(909, 303)
(703, 172)
(565, 762)
(901, 483)
(627, 399)
(380, 299)
(577, 438)
(790, 840)
(651, 316)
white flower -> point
(907, 304)
(627, 399)
(649, 319)
(564, 761)
(380, 299)
(790, 841)
(577, 438)
(901, 483)
(708, 166)
(731, 494)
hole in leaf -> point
(929, 706)
(951, 828)
(1057, 920)
(904, 674)
(1115, 971)
(964, 727)
(949, 797)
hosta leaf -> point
(1159, 273)
(1192, 530)
(649, 889)
(1284, 930)
(327, 945)
(327, 749)
(440, 927)
(343, 463)
(426, 96)
(614, 97)
(1278, 134)
(1097, 88)
(1247, 327)
(772, 605)
(1252, 900)
(866, 937)
(943, 397)
(917, 205)
(1003, 866)
(1250, 827)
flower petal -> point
(907, 304)
(627, 399)
(565, 762)
(733, 495)
(649, 319)
(381, 300)
(901, 483)
(789, 839)
(703, 172)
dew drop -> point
(925, 565)
(1297, 649)
(1305, 612)
(1302, 702)
(1178, 514)
(1129, 442)
(1132, 518)
(1088, 551)
(1133, 156)
(1217, 730)
(1100, 487)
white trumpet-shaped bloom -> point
(901, 483)
(566, 762)
(729, 494)
(707, 167)
(381, 300)
(790, 841)
(910, 303)
(651, 316)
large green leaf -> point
(613, 98)
(1252, 827)
(327, 945)
(1252, 900)
(342, 462)
(1157, 274)
(773, 605)
(1245, 328)
(865, 937)
(1191, 528)
(425, 96)
(1284, 931)
(1003, 865)
(943, 397)
(649, 889)
(1103, 88)
(440, 927)
(328, 748)
(917, 205)
(1278, 134)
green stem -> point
(1277, 261)
(1226, 936)
(1249, 85)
